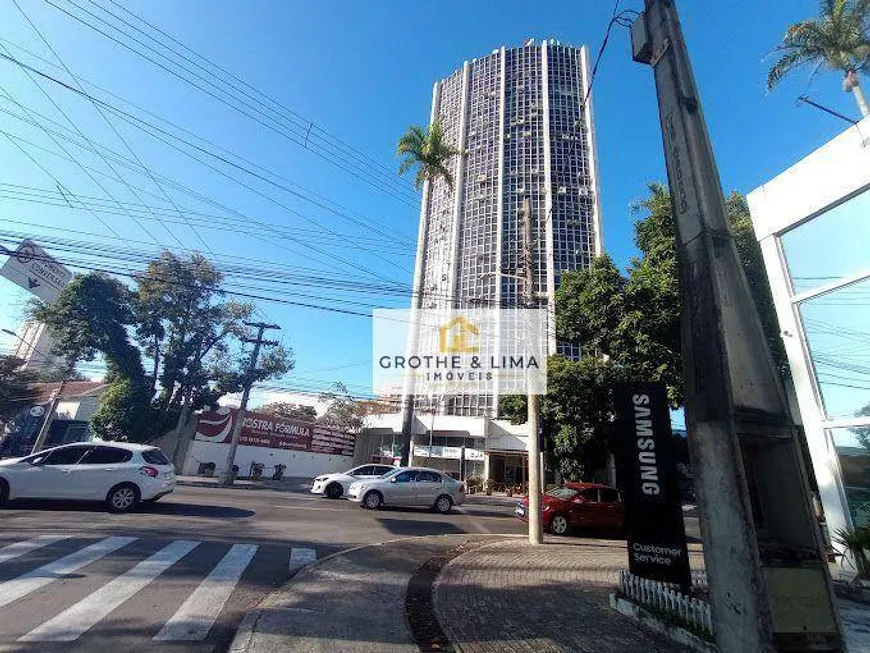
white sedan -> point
(335, 486)
(119, 474)
(409, 486)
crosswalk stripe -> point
(69, 625)
(194, 619)
(299, 557)
(14, 589)
(21, 548)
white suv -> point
(119, 473)
(335, 486)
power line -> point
(367, 160)
(127, 117)
(335, 207)
(71, 122)
(282, 129)
(208, 220)
(105, 118)
(286, 236)
(236, 293)
(56, 180)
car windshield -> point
(562, 493)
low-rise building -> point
(813, 224)
(76, 407)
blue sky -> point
(363, 72)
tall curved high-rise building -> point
(522, 120)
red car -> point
(578, 505)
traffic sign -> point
(32, 268)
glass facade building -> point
(523, 123)
(813, 224)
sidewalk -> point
(497, 594)
(511, 597)
(468, 594)
(290, 484)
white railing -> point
(664, 597)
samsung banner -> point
(647, 474)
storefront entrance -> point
(508, 468)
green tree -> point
(428, 151)
(192, 341)
(124, 412)
(839, 39)
(863, 432)
(90, 317)
(343, 412)
(185, 332)
(629, 325)
(576, 414)
(17, 389)
(289, 410)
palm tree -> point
(428, 151)
(839, 40)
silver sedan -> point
(409, 486)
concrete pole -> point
(536, 535)
(49, 417)
(227, 476)
(770, 589)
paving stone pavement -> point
(509, 597)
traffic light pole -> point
(770, 589)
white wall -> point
(299, 463)
(82, 409)
(504, 436)
(472, 426)
(500, 434)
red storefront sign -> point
(259, 430)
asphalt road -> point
(179, 574)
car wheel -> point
(4, 492)
(559, 525)
(373, 500)
(443, 504)
(123, 498)
(334, 491)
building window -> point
(853, 451)
(843, 230)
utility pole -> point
(536, 534)
(228, 476)
(770, 588)
(49, 414)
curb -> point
(245, 631)
(218, 486)
(672, 632)
(251, 487)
